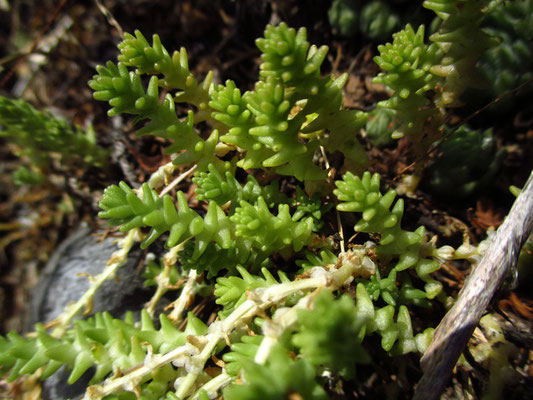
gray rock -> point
(61, 284)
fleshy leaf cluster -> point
(281, 377)
(509, 64)
(469, 160)
(39, 133)
(330, 334)
(463, 41)
(224, 187)
(125, 93)
(231, 291)
(380, 126)
(407, 63)
(397, 336)
(234, 237)
(241, 352)
(377, 20)
(103, 342)
(268, 126)
(395, 290)
(362, 195)
(123, 207)
(154, 59)
(288, 56)
(307, 323)
(271, 232)
(343, 17)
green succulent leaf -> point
(38, 134)
(362, 195)
(241, 352)
(231, 291)
(123, 207)
(224, 187)
(408, 63)
(343, 17)
(268, 231)
(287, 55)
(463, 42)
(377, 20)
(469, 160)
(279, 378)
(101, 341)
(329, 334)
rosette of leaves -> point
(378, 21)
(509, 64)
(394, 291)
(310, 207)
(344, 17)
(39, 134)
(407, 63)
(463, 41)
(467, 163)
(383, 287)
(281, 377)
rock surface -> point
(63, 281)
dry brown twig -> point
(457, 326)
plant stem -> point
(117, 259)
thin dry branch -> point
(456, 328)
